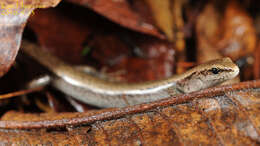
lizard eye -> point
(215, 70)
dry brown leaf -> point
(257, 63)
(121, 12)
(13, 16)
(177, 9)
(163, 16)
(220, 115)
(60, 35)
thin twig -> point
(19, 93)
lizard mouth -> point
(235, 72)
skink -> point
(101, 93)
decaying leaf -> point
(113, 50)
(51, 27)
(163, 16)
(220, 115)
(13, 16)
(121, 13)
(157, 63)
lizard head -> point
(208, 74)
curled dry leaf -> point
(111, 47)
(168, 17)
(163, 16)
(13, 16)
(220, 115)
(51, 27)
(121, 12)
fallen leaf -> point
(121, 12)
(59, 34)
(13, 16)
(163, 16)
(219, 115)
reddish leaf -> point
(157, 61)
(220, 115)
(121, 13)
(59, 34)
(13, 17)
(109, 44)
